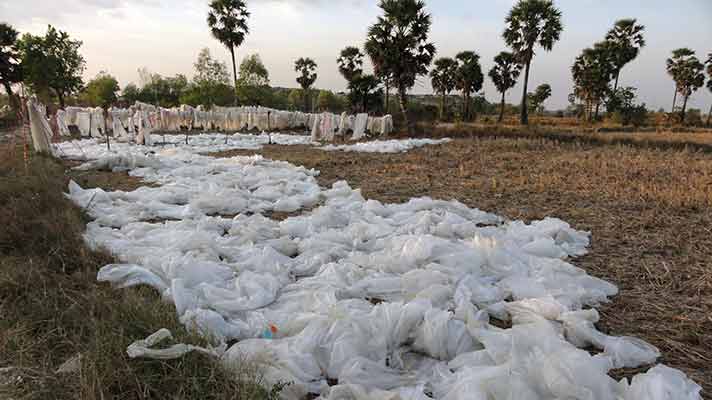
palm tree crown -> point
(306, 67)
(227, 20)
(398, 44)
(505, 72)
(350, 63)
(625, 40)
(469, 78)
(688, 73)
(443, 79)
(504, 75)
(307, 70)
(443, 75)
(531, 23)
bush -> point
(693, 117)
(635, 115)
(623, 109)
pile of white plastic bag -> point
(385, 146)
(390, 301)
(92, 149)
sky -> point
(120, 36)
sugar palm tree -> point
(625, 40)
(531, 23)
(504, 75)
(307, 76)
(709, 83)
(399, 40)
(377, 41)
(688, 73)
(227, 20)
(442, 78)
(469, 78)
(592, 73)
(350, 63)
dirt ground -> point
(649, 211)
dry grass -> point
(660, 138)
(53, 309)
(649, 210)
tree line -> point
(399, 49)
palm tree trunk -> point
(674, 101)
(306, 99)
(442, 106)
(387, 105)
(709, 116)
(404, 109)
(615, 86)
(524, 118)
(501, 109)
(684, 108)
(445, 105)
(234, 70)
(466, 107)
(598, 107)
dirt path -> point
(650, 212)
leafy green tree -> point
(295, 99)
(504, 75)
(625, 41)
(102, 91)
(210, 84)
(627, 112)
(365, 94)
(592, 72)
(399, 41)
(306, 67)
(253, 83)
(253, 72)
(531, 23)
(227, 20)
(210, 71)
(443, 78)
(539, 96)
(219, 95)
(469, 78)
(52, 62)
(328, 101)
(688, 73)
(10, 67)
(163, 91)
(130, 94)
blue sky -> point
(122, 35)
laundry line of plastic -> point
(127, 124)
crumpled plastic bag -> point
(143, 348)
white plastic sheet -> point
(387, 146)
(389, 300)
(39, 128)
